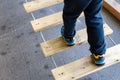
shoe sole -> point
(94, 62)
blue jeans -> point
(93, 18)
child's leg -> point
(95, 30)
(71, 11)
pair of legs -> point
(94, 22)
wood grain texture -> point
(113, 7)
(57, 45)
(48, 21)
(39, 4)
(84, 66)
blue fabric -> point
(93, 18)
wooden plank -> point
(39, 4)
(84, 66)
(113, 7)
(57, 45)
(48, 21)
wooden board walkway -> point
(113, 7)
(48, 21)
(57, 45)
(84, 66)
(39, 4)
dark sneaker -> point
(69, 41)
(98, 59)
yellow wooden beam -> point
(39, 4)
(84, 66)
(48, 21)
(113, 7)
(57, 45)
